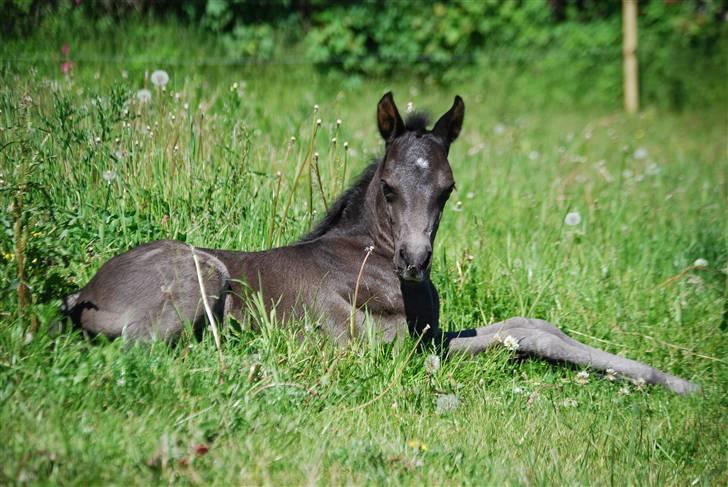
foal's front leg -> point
(541, 339)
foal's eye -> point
(389, 193)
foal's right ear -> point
(388, 119)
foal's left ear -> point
(389, 120)
(449, 125)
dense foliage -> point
(682, 43)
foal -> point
(392, 211)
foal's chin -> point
(412, 275)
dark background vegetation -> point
(549, 51)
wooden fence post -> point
(629, 46)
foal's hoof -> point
(682, 386)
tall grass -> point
(89, 171)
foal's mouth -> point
(411, 274)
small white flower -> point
(144, 95)
(582, 377)
(470, 195)
(572, 218)
(519, 390)
(446, 403)
(611, 375)
(569, 403)
(160, 78)
(640, 153)
(410, 107)
(534, 155)
(511, 343)
(432, 364)
(458, 206)
(700, 263)
(652, 169)
(639, 383)
(109, 176)
(28, 338)
(624, 390)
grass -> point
(200, 162)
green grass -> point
(74, 412)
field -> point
(89, 170)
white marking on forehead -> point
(422, 162)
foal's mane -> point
(348, 206)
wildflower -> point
(315, 109)
(410, 107)
(611, 375)
(624, 390)
(369, 249)
(144, 95)
(700, 263)
(432, 364)
(640, 153)
(446, 403)
(572, 218)
(338, 122)
(458, 206)
(109, 176)
(159, 78)
(582, 377)
(124, 73)
(470, 195)
(639, 383)
(652, 169)
(417, 445)
(66, 67)
(65, 49)
(569, 403)
(519, 390)
(511, 343)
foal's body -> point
(390, 217)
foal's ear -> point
(449, 125)
(388, 119)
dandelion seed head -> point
(640, 153)
(159, 78)
(582, 377)
(446, 403)
(109, 176)
(144, 95)
(572, 218)
(432, 364)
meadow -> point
(612, 227)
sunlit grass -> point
(88, 171)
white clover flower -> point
(639, 383)
(611, 375)
(446, 403)
(640, 153)
(511, 343)
(519, 390)
(582, 377)
(700, 263)
(569, 403)
(144, 95)
(624, 390)
(160, 78)
(572, 218)
(109, 176)
(432, 364)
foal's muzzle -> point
(413, 262)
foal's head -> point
(415, 181)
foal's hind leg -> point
(541, 339)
